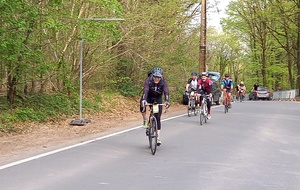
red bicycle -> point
(226, 101)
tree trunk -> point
(11, 87)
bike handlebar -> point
(150, 104)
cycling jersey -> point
(227, 83)
(155, 91)
(255, 86)
(193, 83)
(242, 87)
(206, 85)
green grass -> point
(37, 108)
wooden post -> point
(202, 57)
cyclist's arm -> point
(231, 86)
(146, 89)
(166, 90)
(199, 86)
(188, 84)
(222, 85)
(210, 83)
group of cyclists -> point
(156, 85)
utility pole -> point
(202, 57)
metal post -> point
(202, 56)
(80, 74)
(81, 121)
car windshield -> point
(214, 78)
(262, 89)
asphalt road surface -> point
(256, 146)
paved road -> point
(256, 146)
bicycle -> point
(203, 109)
(192, 107)
(226, 102)
(151, 130)
(241, 96)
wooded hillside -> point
(39, 44)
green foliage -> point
(127, 86)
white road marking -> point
(80, 144)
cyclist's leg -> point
(143, 112)
(229, 96)
(158, 116)
(224, 96)
(197, 98)
(200, 100)
(208, 105)
(208, 100)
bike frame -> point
(203, 109)
(152, 127)
(226, 101)
(192, 103)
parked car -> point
(263, 93)
(215, 77)
(216, 92)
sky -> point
(213, 16)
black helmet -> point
(226, 75)
(194, 73)
(204, 74)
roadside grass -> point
(38, 108)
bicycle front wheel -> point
(189, 108)
(201, 116)
(205, 113)
(153, 135)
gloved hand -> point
(167, 104)
(144, 103)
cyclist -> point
(237, 90)
(205, 87)
(254, 89)
(192, 85)
(242, 88)
(227, 86)
(154, 87)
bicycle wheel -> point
(205, 113)
(153, 135)
(201, 117)
(194, 107)
(196, 110)
(189, 108)
(226, 105)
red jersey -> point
(206, 85)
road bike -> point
(203, 109)
(192, 107)
(151, 130)
(226, 101)
(241, 96)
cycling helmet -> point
(194, 73)
(157, 74)
(204, 74)
(157, 69)
(226, 75)
(242, 82)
